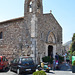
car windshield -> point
(26, 59)
(0, 59)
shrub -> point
(73, 63)
(69, 51)
(74, 53)
(47, 59)
(61, 59)
(39, 73)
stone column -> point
(46, 49)
(54, 51)
(34, 35)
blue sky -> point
(63, 11)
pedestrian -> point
(57, 65)
(57, 57)
(57, 61)
(54, 64)
(68, 58)
(64, 57)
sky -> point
(63, 11)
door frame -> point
(54, 49)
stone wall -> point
(14, 38)
(47, 23)
(17, 38)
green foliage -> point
(73, 46)
(73, 38)
(51, 60)
(73, 63)
(70, 54)
(69, 51)
(39, 73)
(47, 59)
(73, 43)
(61, 59)
(73, 53)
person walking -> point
(57, 61)
(54, 64)
(57, 57)
(64, 57)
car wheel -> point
(3, 68)
(18, 71)
(39, 68)
(33, 70)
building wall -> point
(47, 24)
(29, 35)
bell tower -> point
(33, 6)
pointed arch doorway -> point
(50, 50)
(50, 44)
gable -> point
(52, 19)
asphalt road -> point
(13, 73)
(50, 73)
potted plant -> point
(73, 67)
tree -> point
(72, 48)
(73, 43)
(73, 53)
(73, 38)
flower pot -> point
(73, 69)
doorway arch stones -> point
(51, 40)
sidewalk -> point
(60, 72)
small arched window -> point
(1, 35)
(30, 6)
(39, 6)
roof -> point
(12, 20)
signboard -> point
(73, 58)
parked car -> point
(22, 64)
(3, 63)
(44, 66)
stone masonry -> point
(32, 34)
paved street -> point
(64, 70)
(50, 73)
(11, 73)
(61, 73)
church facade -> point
(36, 34)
